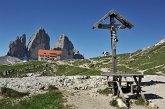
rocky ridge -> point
(68, 50)
(64, 44)
(17, 48)
(39, 40)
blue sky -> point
(75, 18)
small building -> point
(106, 53)
(49, 54)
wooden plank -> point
(138, 83)
(120, 91)
(118, 16)
(121, 74)
(123, 81)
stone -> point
(152, 106)
(17, 48)
(77, 55)
(121, 104)
(39, 40)
(64, 44)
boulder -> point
(39, 40)
(121, 104)
(77, 55)
(64, 44)
(17, 48)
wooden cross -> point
(113, 27)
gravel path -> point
(154, 87)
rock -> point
(121, 104)
(7, 72)
(152, 106)
(17, 48)
(39, 40)
(77, 55)
(64, 44)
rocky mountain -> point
(64, 44)
(39, 40)
(17, 48)
(68, 51)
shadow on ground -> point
(149, 96)
(149, 83)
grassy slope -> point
(148, 61)
(45, 69)
(22, 69)
(53, 99)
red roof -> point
(49, 52)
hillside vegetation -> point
(146, 61)
(52, 99)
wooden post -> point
(113, 47)
(113, 43)
(138, 83)
(112, 27)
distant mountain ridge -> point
(41, 40)
(145, 61)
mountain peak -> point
(160, 42)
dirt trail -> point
(89, 99)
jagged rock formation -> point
(77, 55)
(39, 40)
(64, 44)
(17, 48)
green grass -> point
(7, 92)
(139, 60)
(71, 70)
(49, 100)
(51, 88)
(126, 70)
(80, 62)
(114, 103)
(105, 91)
(140, 101)
(21, 69)
(53, 99)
